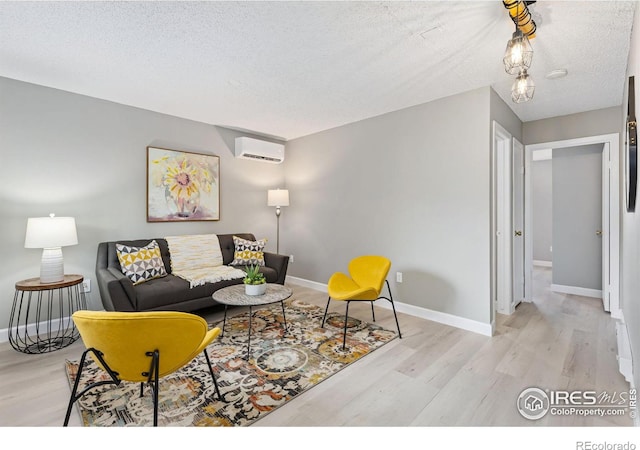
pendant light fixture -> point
(518, 54)
(523, 88)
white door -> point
(518, 223)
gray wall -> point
(82, 157)
(630, 236)
(590, 123)
(413, 185)
(541, 204)
(577, 214)
(501, 113)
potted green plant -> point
(254, 281)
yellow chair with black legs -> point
(140, 347)
(367, 276)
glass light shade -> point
(523, 88)
(50, 232)
(278, 197)
(518, 55)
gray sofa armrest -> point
(279, 263)
(112, 284)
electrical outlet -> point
(399, 277)
(86, 285)
(551, 248)
(291, 259)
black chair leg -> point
(74, 392)
(73, 397)
(215, 383)
(346, 319)
(152, 379)
(325, 312)
(373, 314)
(156, 389)
(394, 310)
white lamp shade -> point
(50, 232)
(278, 197)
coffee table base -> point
(224, 322)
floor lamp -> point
(278, 198)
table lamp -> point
(278, 198)
(51, 234)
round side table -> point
(40, 319)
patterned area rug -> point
(282, 365)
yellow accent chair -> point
(140, 347)
(367, 275)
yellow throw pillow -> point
(248, 253)
(141, 264)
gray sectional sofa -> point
(172, 293)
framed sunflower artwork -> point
(182, 186)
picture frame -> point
(631, 150)
(182, 186)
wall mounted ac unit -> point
(249, 148)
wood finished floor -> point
(435, 376)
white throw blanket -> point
(198, 259)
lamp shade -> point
(50, 232)
(278, 197)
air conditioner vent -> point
(258, 150)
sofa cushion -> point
(248, 253)
(171, 290)
(141, 264)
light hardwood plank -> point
(435, 376)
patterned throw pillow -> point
(248, 253)
(141, 264)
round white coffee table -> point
(235, 296)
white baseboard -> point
(595, 293)
(625, 359)
(307, 283)
(541, 263)
(32, 328)
(485, 329)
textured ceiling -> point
(289, 69)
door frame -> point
(501, 222)
(611, 233)
(517, 214)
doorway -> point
(507, 249)
(567, 217)
(503, 226)
(608, 234)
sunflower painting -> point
(182, 186)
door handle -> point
(598, 232)
(518, 233)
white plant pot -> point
(255, 289)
